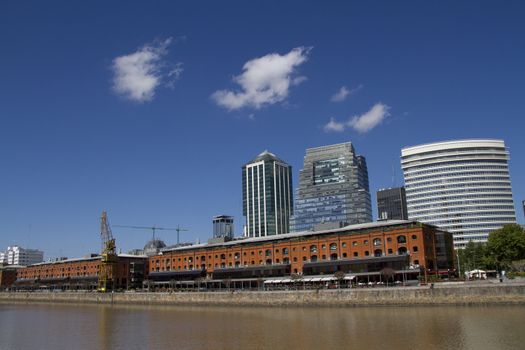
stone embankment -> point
(463, 294)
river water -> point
(60, 326)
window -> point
(324, 257)
(414, 249)
(313, 249)
(402, 251)
(389, 239)
(223, 256)
(304, 249)
(237, 255)
(333, 256)
(367, 253)
(378, 253)
(414, 237)
(268, 252)
(285, 251)
(323, 246)
(313, 258)
(356, 254)
(304, 258)
(343, 245)
(333, 246)
(376, 242)
(401, 239)
(365, 242)
(389, 250)
(354, 243)
(345, 255)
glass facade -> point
(333, 187)
(461, 186)
(392, 204)
(267, 196)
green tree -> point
(473, 256)
(505, 246)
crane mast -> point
(108, 264)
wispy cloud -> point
(139, 74)
(344, 93)
(264, 81)
(362, 123)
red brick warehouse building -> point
(356, 249)
(81, 274)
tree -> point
(473, 256)
(505, 246)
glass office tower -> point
(460, 186)
(267, 196)
(333, 188)
(392, 204)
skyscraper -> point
(461, 186)
(267, 196)
(392, 204)
(333, 188)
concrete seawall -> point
(444, 295)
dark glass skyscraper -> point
(392, 204)
(333, 187)
(267, 196)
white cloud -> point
(264, 81)
(343, 93)
(139, 74)
(334, 126)
(362, 123)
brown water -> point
(46, 326)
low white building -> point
(16, 255)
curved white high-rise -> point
(460, 186)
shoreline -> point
(464, 294)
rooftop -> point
(266, 156)
(355, 227)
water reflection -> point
(33, 326)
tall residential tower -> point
(267, 196)
(461, 186)
(333, 188)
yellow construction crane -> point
(108, 264)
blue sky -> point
(149, 110)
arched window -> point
(401, 239)
(414, 237)
(333, 246)
(313, 258)
(237, 255)
(333, 256)
(268, 261)
(223, 256)
(377, 242)
(402, 251)
(268, 252)
(285, 251)
(313, 248)
(203, 258)
(286, 261)
(378, 252)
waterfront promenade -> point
(441, 294)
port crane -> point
(155, 228)
(108, 264)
